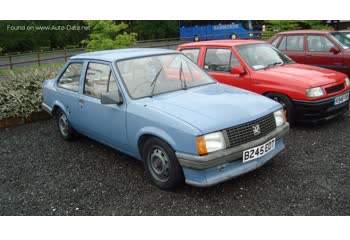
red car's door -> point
(294, 47)
(318, 53)
(218, 63)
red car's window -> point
(318, 44)
(191, 54)
(292, 43)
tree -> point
(0, 49)
(107, 35)
(275, 26)
(155, 29)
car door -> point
(218, 63)
(318, 53)
(67, 89)
(106, 123)
(294, 47)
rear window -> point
(191, 54)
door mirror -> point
(237, 70)
(334, 50)
(111, 98)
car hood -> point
(214, 107)
(309, 75)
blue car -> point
(158, 106)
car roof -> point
(307, 31)
(225, 43)
(119, 54)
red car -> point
(307, 93)
(322, 48)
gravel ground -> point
(41, 174)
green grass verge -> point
(24, 69)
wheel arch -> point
(143, 136)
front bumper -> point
(219, 166)
(46, 108)
(317, 111)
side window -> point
(282, 45)
(191, 54)
(318, 44)
(219, 60)
(99, 79)
(295, 43)
(274, 43)
(70, 78)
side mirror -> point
(111, 98)
(334, 50)
(237, 70)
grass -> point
(69, 51)
(24, 69)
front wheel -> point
(65, 128)
(287, 104)
(161, 164)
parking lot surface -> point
(41, 174)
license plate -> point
(341, 99)
(259, 151)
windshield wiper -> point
(274, 64)
(153, 83)
(183, 82)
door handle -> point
(308, 54)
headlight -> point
(210, 142)
(280, 117)
(314, 92)
(347, 82)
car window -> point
(191, 54)
(220, 60)
(99, 79)
(282, 45)
(318, 44)
(274, 43)
(71, 77)
(295, 43)
(292, 43)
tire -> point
(65, 129)
(196, 38)
(161, 164)
(233, 36)
(287, 104)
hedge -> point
(21, 93)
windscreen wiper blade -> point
(183, 81)
(274, 64)
(153, 83)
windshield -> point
(341, 38)
(152, 75)
(262, 56)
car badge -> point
(256, 129)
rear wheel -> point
(196, 38)
(287, 104)
(233, 36)
(161, 164)
(64, 127)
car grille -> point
(335, 88)
(244, 133)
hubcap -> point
(159, 164)
(63, 124)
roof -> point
(306, 31)
(114, 55)
(226, 43)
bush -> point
(21, 93)
(106, 35)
